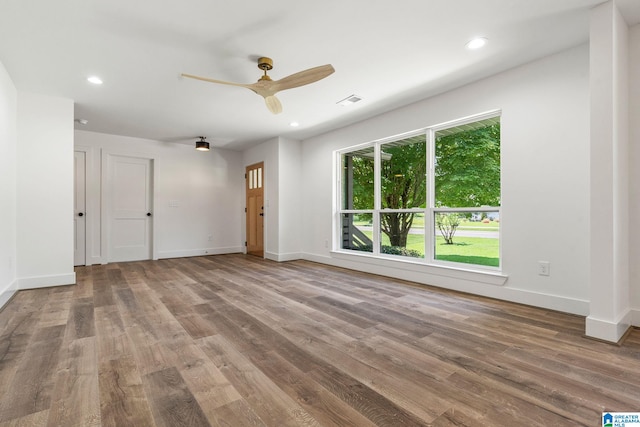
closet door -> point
(129, 194)
(79, 209)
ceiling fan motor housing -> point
(265, 63)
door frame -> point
(264, 206)
(105, 223)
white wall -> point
(545, 177)
(44, 191)
(8, 203)
(634, 171)
(198, 195)
(290, 220)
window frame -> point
(430, 209)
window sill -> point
(491, 277)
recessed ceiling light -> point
(477, 43)
(351, 99)
(82, 121)
(95, 80)
(294, 124)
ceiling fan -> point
(268, 88)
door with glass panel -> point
(255, 209)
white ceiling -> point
(389, 53)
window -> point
(431, 196)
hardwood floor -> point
(235, 340)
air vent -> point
(351, 99)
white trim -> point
(635, 318)
(157, 214)
(607, 330)
(8, 293)
(291, 256)
(492, 277)
(468, 119)
(476, 283)
(199, 252)
(37, 282)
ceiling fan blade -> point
(206, 79)
(273, 104)
(267, 88)
(302, 78)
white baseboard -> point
(607, 330)
(635, 318)
(292, 256)
(8, 292)
(199, 252)
(488, 285)
(36, 282)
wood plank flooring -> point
(235, 340)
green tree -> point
(403, 186)
(362, 182)
(467, 172)
(448, 223)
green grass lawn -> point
(467, 250)
(418, 222)
(470, 250)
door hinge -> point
(245, 176)
(245, 243)
(245, 210)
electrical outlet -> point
(326, 243)
(544, 268)
(211, 237)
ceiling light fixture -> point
(294, 124)
(202, 145)
(95, 80)
(349, 100)
(477, 43)
(82, 121)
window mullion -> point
(429, 238)
(377, 199)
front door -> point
(79, 209)
(255, 209)
(130, 202)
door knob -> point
(80, 214)
(148, 213)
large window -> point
(431, 196)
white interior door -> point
(79, 209)
(130, 215)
